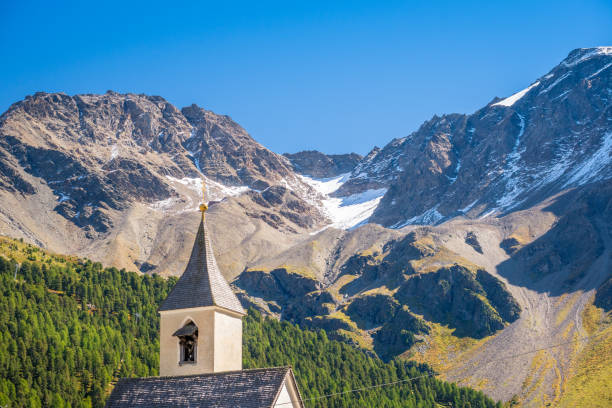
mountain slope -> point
(316, 164)
(70, 329)
(108, 175)
(553, 135)
(475, 236)
(461, 294)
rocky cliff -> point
(553, 135)
(316, 164)
(104, 176)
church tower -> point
(201, 319)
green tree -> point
(69, 329)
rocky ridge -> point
(501, 226)
(72, 168)
(425, 293)
(514, 152)
(316, 164)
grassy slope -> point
(322, 366)
(591, 382)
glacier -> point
(345, 212)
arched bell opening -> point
(188, 343)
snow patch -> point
(562, 95)
(166, 204)
(356, 209)
(599, 71)
(485, 215)
(557, 81)
(327, 185)
(114, 152)
(345, 212)
(589, 170)
(63, 197)
(455, 172)
(511, 100)
(468, 207)
(429, 217)
(512, 187)
(592, 53)
(189, 200)
(470, 134)
(214, 191)
(196, 161)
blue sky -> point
(331, 76)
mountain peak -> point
(579, 55)
(549, 136)
(316, 164)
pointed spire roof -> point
(202, 283)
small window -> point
(188, 343)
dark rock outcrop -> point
(328, 323)
(398, 334)
(472, 240)
(299, 297)
(456, 296)
(276, 284)
(319, 165)
(372, 310)
(498, 296)
(389, 267)
(603, 296)
(510, 245)
(317, 303)
(278, 204)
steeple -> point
(202, 283)
(200, 347)
(201, 319)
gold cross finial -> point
(203, 206)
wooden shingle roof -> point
(256, 388)
(202, 283)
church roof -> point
(202, 283)
(245, 389)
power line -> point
(361, 389)
(542, 349)
(406, 380)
